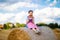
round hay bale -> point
(18, 34)
(57, 30)
(57, 33)
(46, 34)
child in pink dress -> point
(30, 22)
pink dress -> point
(30, 24)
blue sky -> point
(16, 10)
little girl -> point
(30, 22)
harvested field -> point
(57, 33)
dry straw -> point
(18, 34)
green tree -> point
(59, 26)
(17, 24)
(5, 26)
(20, 25)
(56, 25)
(41, 24)
(9, 25)
(52, 25)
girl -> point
(30, 22)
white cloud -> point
(45, 15)
(2, 5)
(17, 5)
(47, 20)
(11, 17)
(21, 17)
(10, 2)
(48, 12)
(5, 17)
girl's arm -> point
(33, 20)
(27, 21)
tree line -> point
(51, 25)
(17, 25)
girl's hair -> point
(30, 11)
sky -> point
(45, 11)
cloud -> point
(46, 15)
(15, 6)
(19, 17)
(5, 17)
(10, 2)
(49, 11)
(2, 5)
(54, 3)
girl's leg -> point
(36, 31)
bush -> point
(20, 25)
(41, 24)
